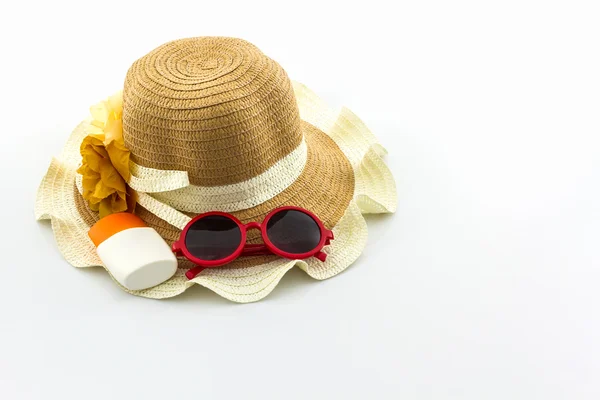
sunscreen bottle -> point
(135, 254)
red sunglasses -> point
(216, 238)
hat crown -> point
(215, 107)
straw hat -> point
(213, 124)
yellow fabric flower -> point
(105, 159)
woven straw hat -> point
(214, 124)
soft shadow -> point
(295, 283)
(200, 295)
(44, 227)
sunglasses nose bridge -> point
(253, 225)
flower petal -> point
(115, 102)
(119, 157)
(105, 207)
(89, 183)
(113, 130)
(101, 191)
(95, 128)
(91, 160)
(111, 178)
(118, 202)
(105, 159)
(94, 206)
(99, 113)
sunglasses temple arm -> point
(255, 250)
(191, 273)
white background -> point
(484, 285)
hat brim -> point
(344, 177)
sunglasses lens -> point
(213, 237)
(293, 231)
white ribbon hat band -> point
(173, 187)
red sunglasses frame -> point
(244, 249)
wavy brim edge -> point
(375, 192)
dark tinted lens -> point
(213, 237)
(293, 232)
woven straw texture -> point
(253, 278)
(213, 124)
(215, 107)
